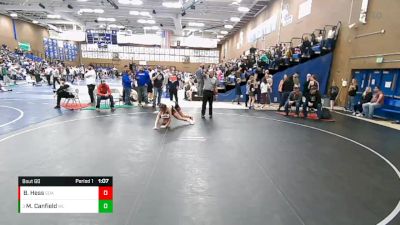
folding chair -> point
(75, 99)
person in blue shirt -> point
(143, 80)
(127, 86)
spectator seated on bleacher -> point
(306, 48)
(294, 99)
(313, 101)
(375, 103)
(64, 91)
(365, 98)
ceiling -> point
(214, 14)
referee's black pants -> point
(208, 96)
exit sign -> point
(379, 59)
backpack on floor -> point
(325, 114)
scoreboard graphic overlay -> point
(65, 194)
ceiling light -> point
(53, 16)
(235, 19)
(102, 19)
(116, 26)
(35, 21)
(130, 2)
(13, 15)
(82, 0)
(175, 5)
(194, 24)
(90, 11)
(224, 32)
(228, 26)
(235, 3)
(151, 28)
(134, 13)
(145, 14)
(220, 36)
(243, 9)
(146, 21)
(98, 10)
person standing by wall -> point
(353, 88)
(209, 90)
(173, 84)
(90, 77)
(143, 79)
(127, 87)
(200, 80)
(333, 93)
(280, 86)
(158, 81)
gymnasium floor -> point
(241, 167)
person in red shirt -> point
(104, 93)
(376, 102)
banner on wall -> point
(305, 8)
(265, 28)
(286, 19)
(24, 46)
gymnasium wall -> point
(26, 32)
(187, 67)
(382, 14)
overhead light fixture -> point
(224, 32)
(70, 6)
(116, 26)
(42, 6)
(194, 24)
(161, 25)
(183, 13)
(13, 15)
(228, 26)
(151, 28)
(50, 16)
(243, 9)
(154, 11)
(184, 26)
(220, 36)
(137, 13)
(175, 5)
(130, 2)
(35, 21)
(235, 19)
(99, 11)
(146, 21)
(235, 3)
(102, 19)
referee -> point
(209, 89)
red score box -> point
(105, 193)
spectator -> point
(238, 91)
(209, 90)
(104, 93)
(143, 79)
(264, 92)
(252, 91)
(313, 100)
(247, 97)
(47, 73)
(56, 76)
(313, 82)
(90, 77)
(173, 86)
(376, 102)
(306, 48)
(200, 80)
(127, 87)
(280, 86)
(306, 89)
(365, 98)
(353, 88)
(287, 87)
(158, 81)
(329, 43)
(64, 91)
(294, 99)
(333, 93)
